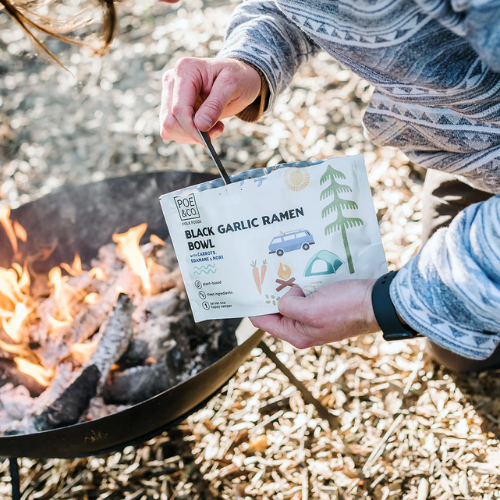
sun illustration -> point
(296, 179)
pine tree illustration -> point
(338, 204)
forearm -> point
(450, 292)
(260, 34)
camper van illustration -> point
(290, 241)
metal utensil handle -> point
(208, 143)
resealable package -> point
(242, 246)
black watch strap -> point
(385, 313)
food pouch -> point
(242, 246)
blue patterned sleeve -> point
(450, 292)
(259, 33)
(476, 20)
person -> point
(435, 67)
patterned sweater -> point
(435, 66)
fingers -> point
(286, 329)
(181, 97)
(211, 88)
(296, 306)
(270, 323)
(224, 90)
(188, 82)
(170, 128)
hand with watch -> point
(336, 312)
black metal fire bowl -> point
(82, 219)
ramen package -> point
(242, 246)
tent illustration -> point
(326, 261)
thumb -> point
(211, 110)
(294, 304)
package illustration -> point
(242, 246)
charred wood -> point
(136, 384)
(115, 335)
(10, 374)
(163, 304)
(74, 400)
(136, 354)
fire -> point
(128, 248)
(91, 298)
(20, 232)
(7, 225)
(82, 352)
(98, 274)
(14, 283)
(55, 325)
(22, 313)
(284, 272)
(157, 240)
(76, 268)
(42, 375)
(11, 289)
(18, 349)
(61, 295)
(24, 277)
(13, 326)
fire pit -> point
(110, 362)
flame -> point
(18, 308)
(20, 350)
(284, 272)
(55, 325)
(98, 274)
(13, 301)
(82, 352)
(128, 248)
(39, 373)
(153, 267)
(60, 294)
(13, 326)
(157, 240)
(7, 225)
(76, 268)
(92, 298)
(24, 281)
(20, 232)
(11, 288)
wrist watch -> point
(385, 312)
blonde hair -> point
(24, 13)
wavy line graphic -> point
(210, 268)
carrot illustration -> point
(256, 276)
(263, 270)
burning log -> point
(160, 281)
(137, 384)
(61, 334)
(163, 304)
(115, 336)
(158, 334)
(68, 407)
(9, 374)
(136, 354)
(87, 322)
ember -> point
(76, 342)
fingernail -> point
(204, 121)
